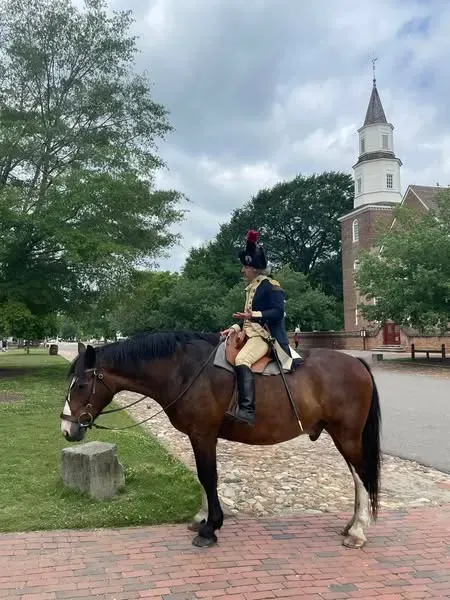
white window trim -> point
(389, 177)
(355, 230)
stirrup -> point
(237, 415)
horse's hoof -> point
(353, 542)
(195, 525)
(202, 542)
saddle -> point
(233, 345)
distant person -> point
(297, 337)
(4, 345)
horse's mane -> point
(147, 346)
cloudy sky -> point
(261, 90)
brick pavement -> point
(407, 557)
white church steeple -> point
(377, 172)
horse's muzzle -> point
(77, 436)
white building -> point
(377, 172)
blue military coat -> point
(267, 307)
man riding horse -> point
(263, 316)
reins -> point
(99, 375)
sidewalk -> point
(407, 557)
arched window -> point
(355, 230)
(356, 265)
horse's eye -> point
(81, 386)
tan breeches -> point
(254, 349)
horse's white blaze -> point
(66, 425)
(361, 518)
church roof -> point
(427, 194)
(375, 111)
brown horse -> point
(332, 391)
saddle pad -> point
(221, 361)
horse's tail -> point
(371, 449)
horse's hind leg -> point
(351, 450)
(354, 530)
(206, 461)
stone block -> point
(377, 356)
(93, 468)
(53, 350)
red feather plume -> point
(252, 236)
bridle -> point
(80, 420)
(98, 375)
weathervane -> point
(374, 59)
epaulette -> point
(275, 283)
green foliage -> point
(192, 304)
(17, 319)
(138, 304)
(307, 307)
(78, 132)
(206, 305)
(410, 277)
(216, 260)
(158, 489)
(298, 223)
(68, 328)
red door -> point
(391, 334)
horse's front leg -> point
(206, 461)
(202, 514)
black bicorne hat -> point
(253, 255)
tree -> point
(68, 328)
(216, 260)
(298, 221)
(136, 307)
(409, 279)
(17, 320)
(197, 304)
(78, 132)
(192, 304)
(307, 307)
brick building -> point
(377, 192)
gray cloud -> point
(262, 90)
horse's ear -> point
(89, 357)
(81, 348)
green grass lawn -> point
(159, 489)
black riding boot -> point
(246, 396)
